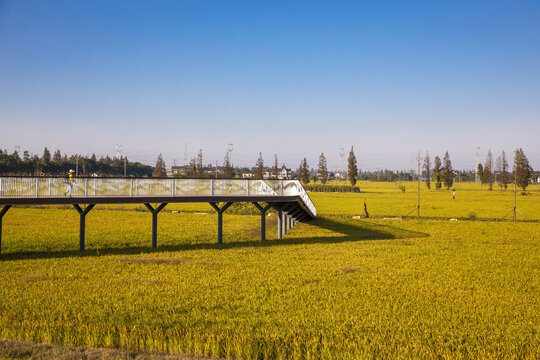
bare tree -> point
(199, 164)
(227, 166)
(275, 169)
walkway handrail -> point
(38, 187)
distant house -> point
(247, 175)
(176, 170)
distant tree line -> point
(522, 173)
(59, 165)
(489, 173)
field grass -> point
(334, 288)
(384, 199)
(472, 201)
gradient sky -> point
(294, 78)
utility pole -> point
(515, 210)
(476, 177)
(341, 154)
(515, 200)
(417, 208)
(125, 167)
(418, 176)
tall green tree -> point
(227, 166)
(304, 172)
(159, 169)
(505, 175)
(57, 156)
(480, 173)
(259, 167)
(437, 173)
(502, 171)
(46, 158)
(322, 172)
(447, 171)
(427, 170)
(522, 169)
(352, 168)
(488, 170)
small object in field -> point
(453, 194)
(453, 219)
(365, 210)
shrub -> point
(332, 188)
(471, 215)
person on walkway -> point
(69, 183)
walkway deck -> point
(287, 197)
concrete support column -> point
(155, 213)
(289, 222)
(284, 222)
(220, 212)
(263, 211)
(2, 213)
(82, 222)
(279, 224)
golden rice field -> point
(334, 288)
(384, 199)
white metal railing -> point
(28, 187)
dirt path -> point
(16, 349)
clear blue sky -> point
(294, 78)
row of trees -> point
(57, 164)
(322, 172)
(197, 170)
(443, 173)
(522, 171)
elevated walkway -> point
(287, 197)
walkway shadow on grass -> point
(342, 230)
